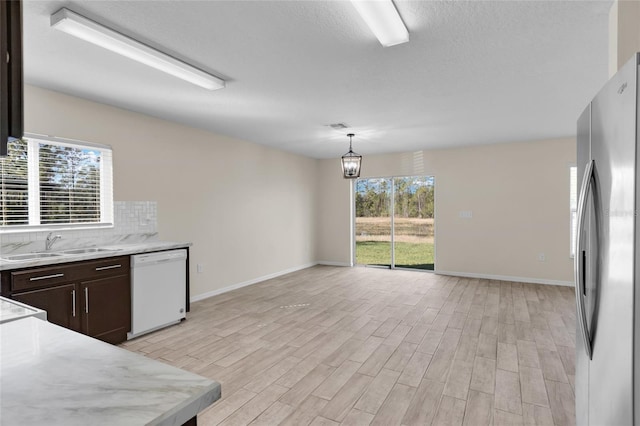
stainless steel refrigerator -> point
(607, 263)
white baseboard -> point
(330, 263)
(249, 282)
(506, 278)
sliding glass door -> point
(404, 239)
(373, 222)
(413, 222)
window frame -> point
(573, 211)
(33, 187)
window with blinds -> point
(14, 187)
(50, 183)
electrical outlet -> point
(199, 268)
(541, 257)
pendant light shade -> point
(351, 162)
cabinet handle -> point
(102, 268)
(86, 300)
(45, 277)
(73, 302)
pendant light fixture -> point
(351, 162)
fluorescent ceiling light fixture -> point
(77, 25)
(383, 20)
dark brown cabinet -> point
(105, 316)
(92, 297)
(60, 302)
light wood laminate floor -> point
(358, 346)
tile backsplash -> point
(134, 222)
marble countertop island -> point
(53, 376)
(11, 310)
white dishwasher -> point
(158, 290)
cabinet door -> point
(106, 308)
(62, 304)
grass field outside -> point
(414, 242)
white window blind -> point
(14, 186)
(68, 183)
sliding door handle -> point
(580, 259)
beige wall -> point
(518, 194)
(333, 228)
(624, 32)
(209, 188)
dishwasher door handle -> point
(157, 261)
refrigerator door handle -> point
(579, 258)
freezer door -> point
(613, 150)
(582, 360)
(636, 311)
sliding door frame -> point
(392, 208)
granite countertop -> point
(114, 250)
(11, 310)
(54, 376)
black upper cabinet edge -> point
(16, 110)
(4, 76)
(11, 74)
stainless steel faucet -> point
(50, 240)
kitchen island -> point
(11, 310)
(54, 376)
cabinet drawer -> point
(41, 277)
(108, 267)
(51, 275)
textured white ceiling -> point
(473, 72)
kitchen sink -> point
(45, 255)
(88, 250)
(31, 256)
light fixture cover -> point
(77, 25)
(383, 20)
(351, 162)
